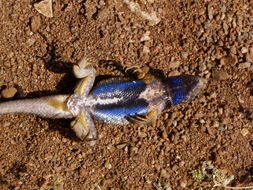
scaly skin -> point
(115, 101)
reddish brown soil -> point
(211, 39)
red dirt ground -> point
(210, 39)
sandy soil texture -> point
(206, 143)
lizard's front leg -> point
(84, 70)
(141, 73)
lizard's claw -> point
(84, 67)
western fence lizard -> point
(115, 101)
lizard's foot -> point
(84, 128)
(84, 67)
(139, 72)
(150, 117)
(84, 70)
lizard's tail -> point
(49, 107)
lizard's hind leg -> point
(84, 127)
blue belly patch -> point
(119, 113)
(120, 86)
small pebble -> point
(244, 50)
(249, 56)
(164, 173)
(10, 55)
(220, 75)
(44, 7)
(184, 55)
(244, 132)
(41, 182)
(221, 128)
(8, 92)
(174, 64)
(121, 145)
(210, 130)
(145, 36)
(183, 183)
(35, 23)
(210, 11)
(6, 124)
(233, 50)
(146, 49)
(30, 42)
(244, 65)
(108, 165)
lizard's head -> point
(183, 88)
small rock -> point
(145, 36)
(41, 182)
(35, 23)
(216, 124)
(230, 126)
(6, 124)
(183, 183)
(9, 92)
(202, 121)
(244, 50)
(244, 65)
(146, 49)
(231, 60)
(10, 55)
(210, 11)
(181, 164)
(225, 27)
(221, 128)
(174, 64)
(244, 132)
(184, 55)
(233, 50)
(7, 64)
(44, 7)
(249, 56)
(210, 130)
(174, 168)
(30, 42)
(164, 174)
(220, 75)
(121, 145)
(108, 165)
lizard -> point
(117, 100)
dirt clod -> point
(8, 92)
